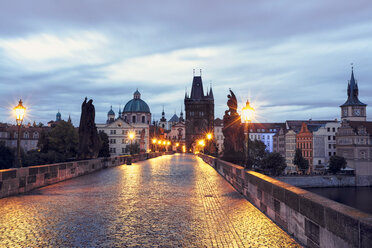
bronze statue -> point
(89, 143)
(233, 131)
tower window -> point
(133, 119)
(143, 119)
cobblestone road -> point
(170, 201)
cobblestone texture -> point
(170, 201)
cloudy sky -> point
(290, 58)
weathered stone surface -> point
(366, 233)
(312, 208)
(173, 201)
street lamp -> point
(201, 143)
(131, 137)
(209, 137)
(247, 116)
(154, 141)
(20, 114)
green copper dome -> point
(136, 104)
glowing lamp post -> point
(20, 114)
(154, 141)
(131, 137)
(209, 137)
(247, 116)
(201, 143)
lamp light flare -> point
(209, 136)
(248, 112)
(20, 111)
(131, 135)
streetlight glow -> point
(20, 112)
(209, 136)
(154, 141)
(131, 135)
(248, 112)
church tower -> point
(353, 109)
(199, 108)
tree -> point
(257, 151)
(104, 150)
(58, 145)
(336, 163)
(7, 156)
(302, 164)
(273, 164)
(63, 139)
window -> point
(133, 119)
(330, 154)
(123, 150)
(125, 118)
(319, 161)
(333, 129)
(112, 131)
(35, 135)
(328, 129)
(112, 141)
(334, 137)
(123, 141)
(334, 146)
(329, 146)
(143, 119)
(329, 137)
(15, 135)
(122, 131)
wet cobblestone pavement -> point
(169, 201)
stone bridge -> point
(168, 201)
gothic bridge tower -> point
(199, 108)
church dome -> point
(136, 104)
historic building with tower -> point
(135, 118)
(199, 108)
(354, 137)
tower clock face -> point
(357, 112)
(344, 112)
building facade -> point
(135, 118)
(199, 108)
(218, 134)
(265, 133)
(29, 136)
(354, 137)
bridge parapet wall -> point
(312, 219)
(20, 180)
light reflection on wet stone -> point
(170, 201)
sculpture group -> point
(233, 132)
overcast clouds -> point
(291, 58)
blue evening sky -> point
(290, 58)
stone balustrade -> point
(20, 180)
(312, 219)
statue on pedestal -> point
(233, 131)
(89, 143)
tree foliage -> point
(58, 145)
(336, 163)
(7, 156)
(300, 161)
(257, 151)
(273, 164)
